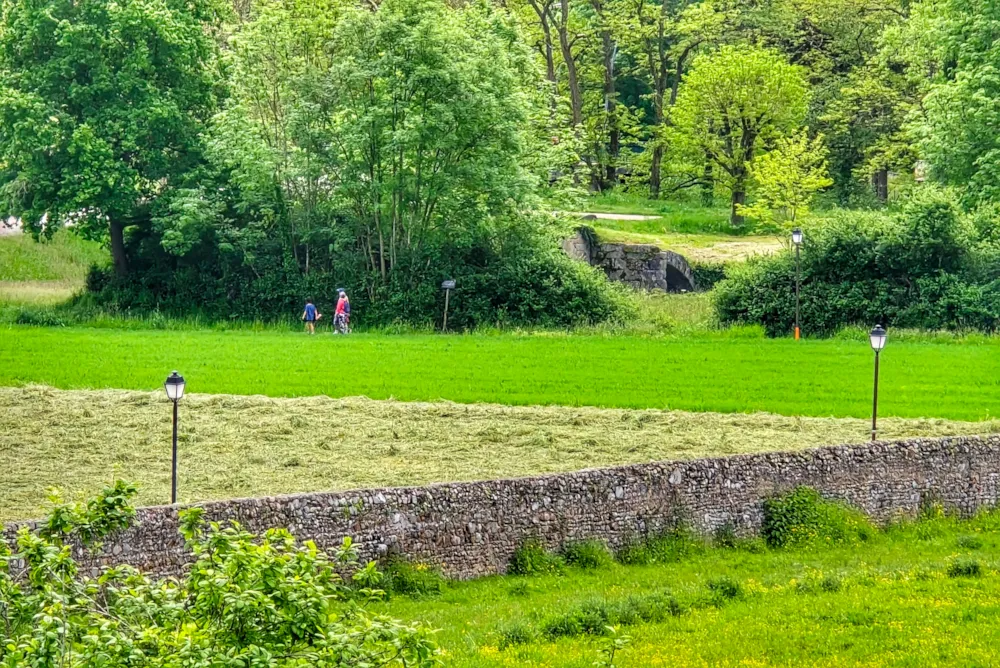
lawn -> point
(909, 597)
(711, 372)
(236, 446)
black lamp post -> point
(175, 390)
(797, 242)
(877, 337)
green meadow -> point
(719, 373)
(915, 595)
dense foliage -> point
(928, 266)
(381, 151)
(255, 602)
(241, 157)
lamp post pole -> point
(875, 400)
(877, 339)
(174, 387)
(173, 468)
(797, 241)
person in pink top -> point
(342, 316)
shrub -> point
(531, 558)
(517, 632)
(724, 589)
(411, 579)
(817, 582)
(39, 317)
(707, 274)
(970, 542)
(667, 547)
(803, 517)
(587, 554)
(922, 268)
(595, 617)
(513, 275)
(244, 599)
(965, 568)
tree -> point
(426, 134)
(959, 133)
(101, 108)
(273, 137)
(733, 103)
(663, 36)
(866, 125)
(785, 180)
(254, 601)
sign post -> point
(447, 286)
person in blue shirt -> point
(310, 315)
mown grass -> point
(233, 446)
(908, 597)
(64, 258)
(711, 372)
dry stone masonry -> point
(640, 265)
(471, 529)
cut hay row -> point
(234, 446)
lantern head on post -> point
(174, 387)
(797, 236)
(878, 337)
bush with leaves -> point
(926, 267)
(249, 601)
(803, 517)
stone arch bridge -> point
(640, 265)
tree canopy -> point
(736, 102)
(101, 109)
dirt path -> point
(612, 216)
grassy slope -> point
(252, 446)
(708, 373)
(65, 258)
(45, 273)
(896, 607)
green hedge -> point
(927, 267)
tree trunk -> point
(118, 257)
(739, 198)
(572, 76)
(880, 183)
(611, 107)
(707, 184)
(654, 171)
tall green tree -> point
(736, 102)
(273, 138)
(427, 126)
(101, 109)
(959, 132)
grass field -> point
(64, 259)
(233, 446)
(899, 600)
(719, 373)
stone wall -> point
(471, 529)
(640, 265)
